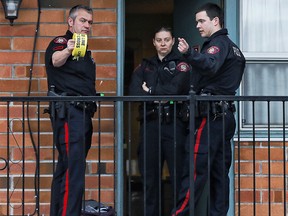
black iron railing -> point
(258, 182)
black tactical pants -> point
(213, 135)
(72, 136)
(160, 141)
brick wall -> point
(16, 45)
(267, 161)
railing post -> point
(119, 205)
(192, 103)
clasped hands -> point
(144, 87)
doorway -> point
(142, 17)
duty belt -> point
(215, 108)
(162, 110)
(89, 107)
(60, 107)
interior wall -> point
(141, 19)
(139, 30)
(140, 23)
(184, 19)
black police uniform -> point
(216, 70)
(72, 127)
(167, 77)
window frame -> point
(256, 58)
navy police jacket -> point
(219, 66)
(167, 77)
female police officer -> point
(163, 74)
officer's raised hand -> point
(183, 46)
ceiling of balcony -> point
(62, 3)
(131, 6)
(149, 6)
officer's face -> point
(163, 42)
(82, 23)
(206, 26)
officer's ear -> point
(70, 21)
(216, 21)
(173, 41)
(154, 42)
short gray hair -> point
(73, 10)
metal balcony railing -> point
(258, 182)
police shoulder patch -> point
(60, 40)
(236, 51)
(57, 48)
(213, 50)
(183, 67)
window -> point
(263, 40)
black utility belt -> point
(222, 106)
(215, 107)
(88, 106)
(60, 107)
(162, 105)
(164, 111)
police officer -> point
(72, 123)
(217, 70)
(163, 74)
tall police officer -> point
(162, 74)
(72, 126)
(217, 70)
